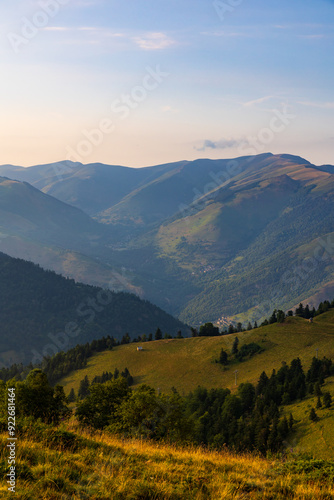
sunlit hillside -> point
(187, 363)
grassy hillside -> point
(187, 363)
(71, 464)
(316, 438)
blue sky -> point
(141, 82)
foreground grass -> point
(69, 463)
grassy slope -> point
(313, 437)
(102, 467)
(187, 363)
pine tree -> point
(194, 332)
(223, 357)
(83, 388)
(327, 399)
(158, 334)
(319, 403)
(235, 348)
(231, 329)
(71, 396)
(313, 415)
(280, 316)
(291, 421)
(317, 389)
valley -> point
(205, 240)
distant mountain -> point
(40, 228)
(25, 211)
(207, 240)
(91, 188)
(42, 313)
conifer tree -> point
(313, 415)
(235, 348)
(71, 396)
(158, 334)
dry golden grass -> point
(103, 467)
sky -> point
(145, 82)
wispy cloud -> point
(258, 101)
(318, 36)
(221, 144)
(321, 105)
(226, 34)
(169, 109)
(154, 41)
(55, 28)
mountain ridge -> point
(203, 239)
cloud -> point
(169, 109)
(154, 41)
(55, 28)
(221, 144)
(313, 37)
(258, 101)
(225, 34)
(321, 105)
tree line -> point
(250, 419)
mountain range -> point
(206, 240)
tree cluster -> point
(85, 384)
(35, 397)
(247, 420)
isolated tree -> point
(158, 334)
(313, 415)
(249, 326)
(71, 396)
(319, 403)
(223, 358)
(235, 348)
(327, 399)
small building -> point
(139, 348)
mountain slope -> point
(207, 240)
(187, 363)
(43, 313)
(92, 188)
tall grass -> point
(71, 463)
